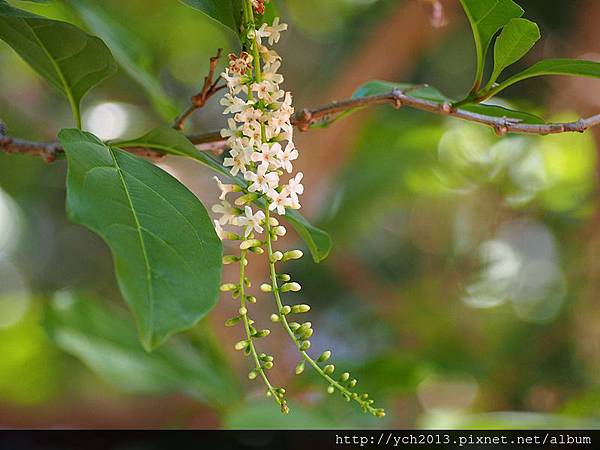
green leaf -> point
(432, 94)
(515, 40)
(166, 252)
(487, 17)
(559, 66)
(106, 342)
(130, 52)
(68, 58)
(170, 141)
(223, 11)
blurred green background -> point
(463, 288)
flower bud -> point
(274, 318)
(344, 377)
(245, 199)
(330, 389)
(252, 374)
(292, 254)
(233, 321)
(380, 413)
(285, 310)
(279, 231)
(300, 368)
(257, 250)
(228, 287)
(328, 369)
(324, 356)
(305, 345)
(307, 334)
(262, 333)
(284, 277)
(251, 298)
(353, 382)
(265, 287)
(230, 259)
(249, 244)
(277, 256)
(243, 311)
(268, 365)
(294, 287)
(296, 309)
(273, 221)
(241, 345)
(294, 326)
(228, 235)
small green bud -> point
(294, 287)
(230, 259)
(257, 250)
(263, 333)
(228, 287)
(251, 298)
(249, 244)
(247, 282)
(228, 235)
(265, 287)
(365, 396)
(233, 321)
(284, 277)
(296, 309)
(279, 231)
(292, 254)
(324, 356)
(307, 334)
(300, 368)
(273, 221)
(245, 199)
(241, 345)
(353, 382)
(305, 345)
(280, 392)
(286, 310)
(284, 408)
(274, 318)
(252, 374)
(330, 389)
(268, 365)
(328, 369)
(344, 377)
(277, 256)
(380, 413)
(243, 311)
(294, 326)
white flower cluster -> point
(260, 134)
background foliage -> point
(462, 287)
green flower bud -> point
(262, 333)
(307, 334)
(243, 311)
(230, 259)
(277, 256)
(353, 382)
(251, 298)
(273, 221)
(380, 413)
(294, 287)
(305, 345)
(285, 310)
(330, 389)
(268, 365)
(344, 377)
(300, 368)
(266, 287)
(257, 250)
(296, 309)
(233, 321)
(250, 243)
(324, 356)
(228, 287)
(274, 318)
(241, 345)
(292, 254)
(328, 369)
(284, 277)
(228, 235)
(245, 199)
(247, 282)
(279, 231)
(294, 326)
(252, 375)
(284, 408)
(365, 396)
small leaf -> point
(559, 66)
(130, 52)
(487, 17)
(166, 252)
(515, 40)
(68, 58)
(106, 342)
(172, 142)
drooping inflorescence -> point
(262, 152)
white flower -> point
(261, 180)
(225, 188)
(287, 156)
(251, 221)
(237, 162)
(295, 188)
(274, 32)
(264, 90)
(267, 155)
(228, 212)
(270, 73)
(234, 104)
(233, 129)
(269, 56)
(279, 201)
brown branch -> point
(304, 119)
(209, 88)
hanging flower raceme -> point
(262, 153)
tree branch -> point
(304, 119)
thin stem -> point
(243, 306)
(283, 319)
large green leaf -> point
(166, 252)
(130, 52)
(515, 40)
(558, 66)
(106, 342)
(170, 141)
(487, 17)
(432, 94)
(68, 58)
